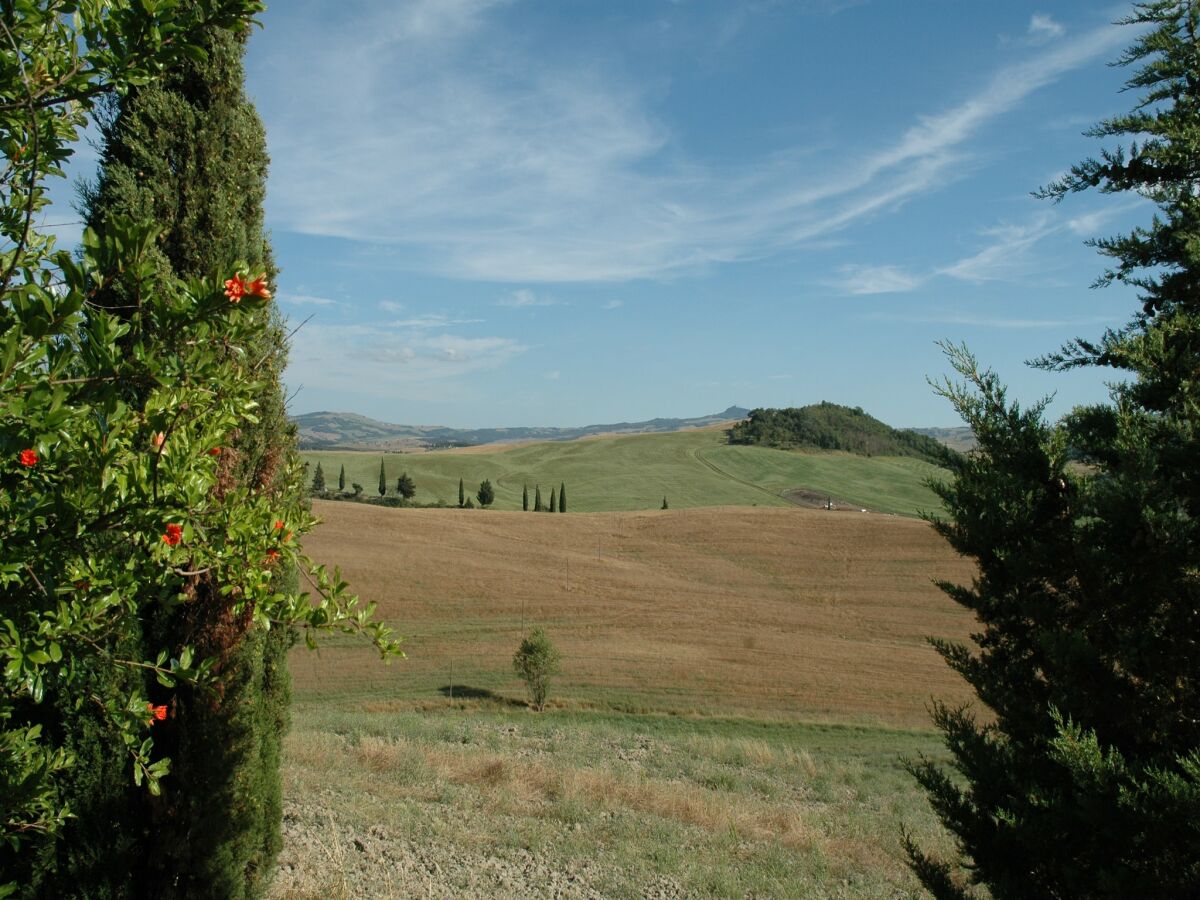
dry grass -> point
(788, 613)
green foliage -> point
(664, 503)
(553, 502)
(126, 453)
(462, 494)
(828, 426)
(342, 479)
(318, 482)
(536, 662)
(357, 488)
(1087, 781)
(525, 498)
(486, 494)
(382, 479)
(537, 498)
(562, 497)
(406, 487)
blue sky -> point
(560, 212)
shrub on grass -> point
(536, 662)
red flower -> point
(272, 556)
(279, 524)
(28, 458)
(157, 713)
(158, 440)
(173, 536)
(258, 287)
(214, 451)
(235, 289)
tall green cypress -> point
(537, 498)
(553, 502)
(189, 153)
(342, 479)
(462, 493)
(318, 482)
(525, 498)
(562, 497)
(382, 479)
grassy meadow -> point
(738, 687)
(621, 473)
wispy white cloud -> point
(385, 359)
(526, 297)
(876, 280)
(391, 306)
(478, 159)
(305, 300)
(1043, 28)
(613, 304)
(431, 320)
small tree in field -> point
(342, 479)
(382, 479)
(318, 482)
(525, 498)
(536, 662)
(537, 498)
(487, 494)
(562, 497)
(406, 487)
(553, 501)
(462, 494)
(358, 489)
(664, 506)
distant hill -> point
(350, 431)
(961, 438)
(830, 426)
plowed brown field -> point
(780, 613)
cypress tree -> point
(664, 506)
(562, 497)
(1084, 780)
(318, 482)
(342, 479)
(189, 152)
(537, 498)
(462, 494)
(382, 479)
(525, 498)
(553, 502)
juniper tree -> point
(405, 487)
(382, 479)
(1082, 778)
(318, 482)
(487, 494)
(525, 498)
(562, 497)
(189, 153)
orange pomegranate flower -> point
(28, 458)
(214, 451)
(158, 440)
(279, 525)
(157, 713)
(173, 535)
(235, 289)
(258, 287)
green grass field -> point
(689, 468)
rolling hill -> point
(350, 431)
(694, 468)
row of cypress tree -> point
(558, 502)
(189, 153)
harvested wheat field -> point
(791, 614)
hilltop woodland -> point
(150, 500)
(1084, 779)
(830, 426)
